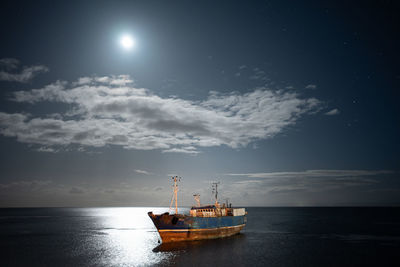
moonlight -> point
(127, 42)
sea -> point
(272, 237)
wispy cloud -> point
(310, 187)
(46, 149)
(26, 74)
(9, 63)
(312, 173)
(32, 184)
(309, 180)
(311, 86)
(143, 172)
(110, 110)
(258, 74)
(48, 193)
(186, 150)
(76, 190)
(333, 112)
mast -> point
(176, 179)
(227, 202)
(197, 198)
(215, 191)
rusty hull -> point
(179, 227)
(198, 234)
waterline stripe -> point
(204, 229)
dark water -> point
(272, 237)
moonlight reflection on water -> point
(129, 237)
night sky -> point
(285, 103)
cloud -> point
(333, 112)
(110, 110)
(258, 74)
(44, 193)
(23, 184)
(307, 181)
(143, 172)
(76, 190)
(312, 173)
(311, 86)
(25, 75)
(186, 150)
(303, 188)
(109, 191)
(109, 80)
(46, 149)
(9, 63)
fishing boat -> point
(203, 222)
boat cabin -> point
(210, 211)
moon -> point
(127, 42)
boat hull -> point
(168, 235)
(173, 228)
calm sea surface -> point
(272, 237)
